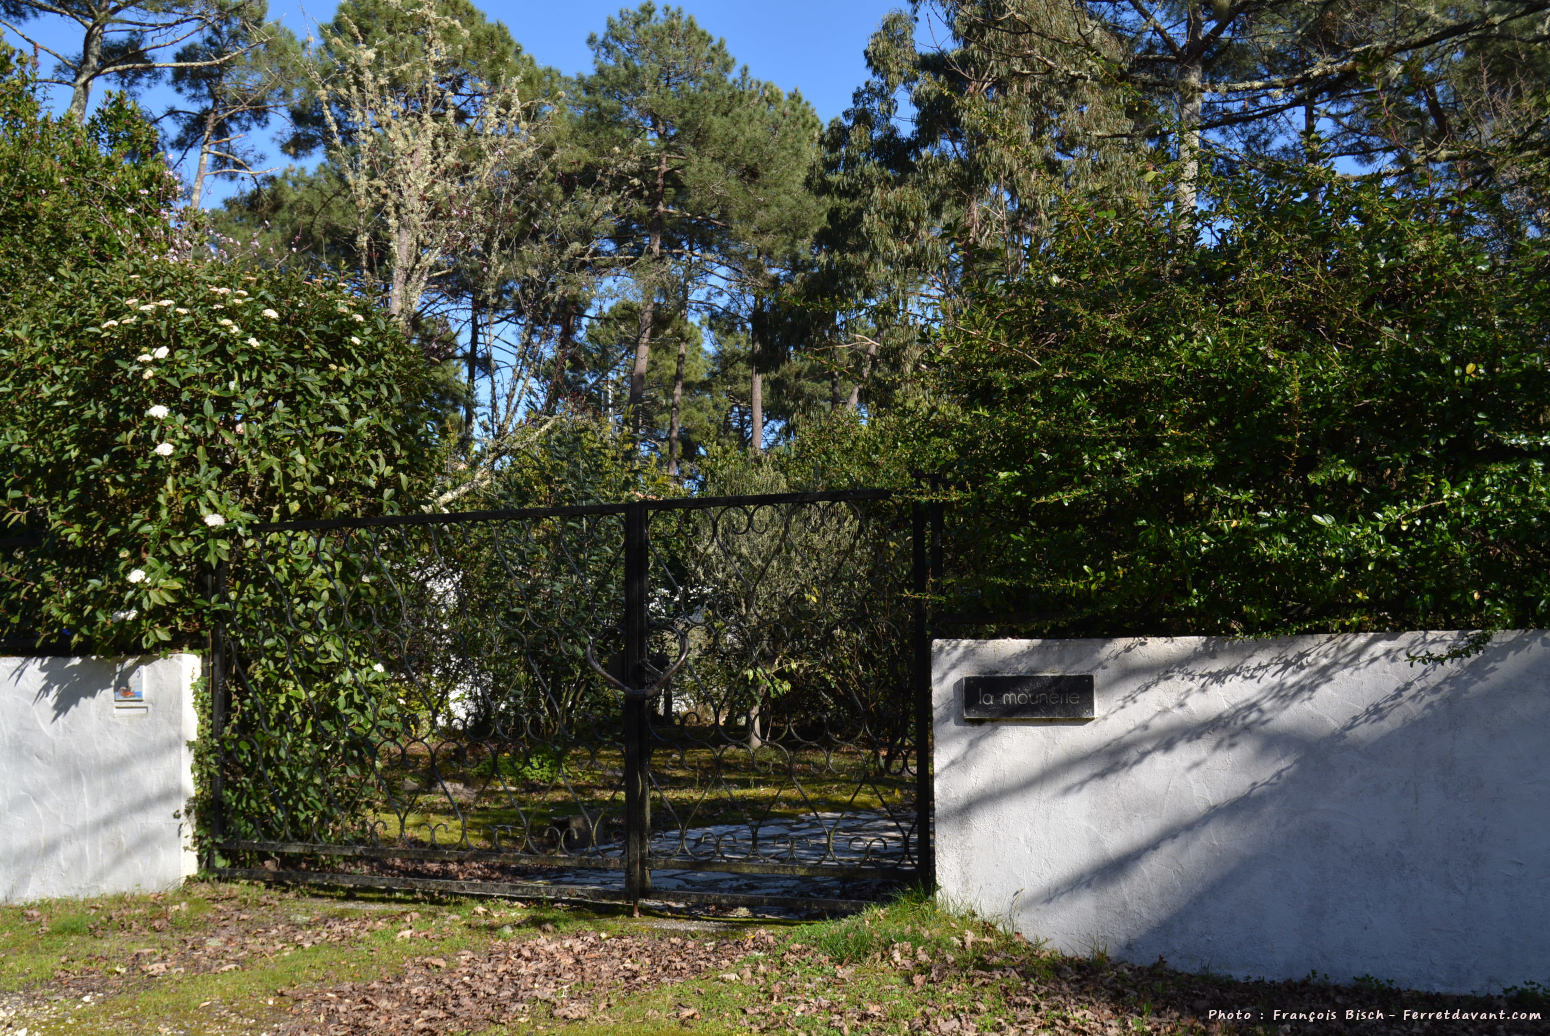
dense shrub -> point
(159, 405)
(1332, 414)
(155, 401)
(72, 196)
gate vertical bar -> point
(215, 593)
(637, 789)
(920, 680)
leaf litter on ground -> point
(404, 968)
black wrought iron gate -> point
(698, 700)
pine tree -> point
(706, 153)
(1253, 74)
(947, 159)
(121, 40)
(228, 99)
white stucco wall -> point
(1262, 808)
(92, 794)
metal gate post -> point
(637, 747)
(215, 823)
(922, 569)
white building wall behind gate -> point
(92, 790)
(1262, 808)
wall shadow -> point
(67, 682)
(91, 796)
(1397, 839)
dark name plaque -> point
(1036, 696)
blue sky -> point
(814, 45)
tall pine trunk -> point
(637, 400)
(91, 60)
(473, 373)
(674, 418)
(756, 380)
(756, 412)
(648, 307)
(206, 136)
(562, 353)
(869, 358)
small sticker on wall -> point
(127, 696)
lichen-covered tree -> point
(420, 105)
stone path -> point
(862, 838)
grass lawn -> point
(514, 801)
(230, 959)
